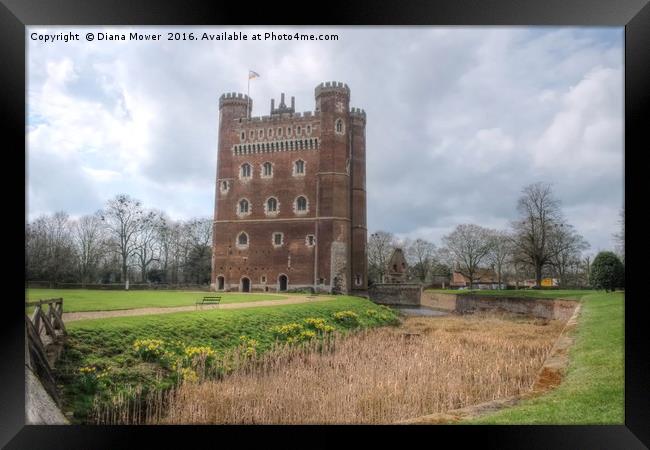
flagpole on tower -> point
(248, 95)
(251, 74)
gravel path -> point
(85, 315)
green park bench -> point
(209, 300)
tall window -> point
(338, 126)
(299, 167)
(301, 204)
(267, 169)
(277, 239)
(310, 241)
(245, 170)
(271, 205)
(243, 206)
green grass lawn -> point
(107, 344)
(576, 294)
(592, 391)
(75, 300)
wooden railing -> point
(45, 336)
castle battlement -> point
(331, 86)
(357, 112)
(306, 115)
(234, 98)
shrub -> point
(348, 318)
(607, 272)
(88, 378)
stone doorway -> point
(245, 285)
(283, 282)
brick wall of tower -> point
(358, 200)
(329, 160)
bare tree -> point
(380, 248)
(420, 254)
(540, 213)
(565, 248)
(199, 257)
(146, 241)
(122, 217)
(467, 247)
(500, 252)
(90, 243)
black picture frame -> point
(634, 15)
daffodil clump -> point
(320, 325)
(149, 349)
(88, 378)
(349, 318)
(248, 346)
(292, 333)
(188, 375)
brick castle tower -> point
(290, 200)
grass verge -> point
(592, 392)
(76, 300)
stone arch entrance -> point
(283, 283)
(221, 282)
(245, 284)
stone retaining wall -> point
(396, 294)
(556, 309)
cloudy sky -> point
(458, 119)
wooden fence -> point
(45, 337)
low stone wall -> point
(554, 309)
(396, 294)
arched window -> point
(244, 207)
(243, 135)
(270, 133)
(308, 129)
(245, 170)
(301, 204)
(299, 167)
(338, 126)
(267, 169)
(288, 131)
(279, 132)
(272, 205)
(298, 130)
(242, 240)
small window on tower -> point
(242, 240)
(311, 240)
(272, 206)
(244, 207)
(308, 129)
(301, 204)
(245, 170)
(298, 131)
(243, 135)
(270, 132)
(357, 280)
(338, 127)
(279, 132)
(278, 239)
(299, 167)
(267, 169)
(288, 131)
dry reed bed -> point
(426, 366)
